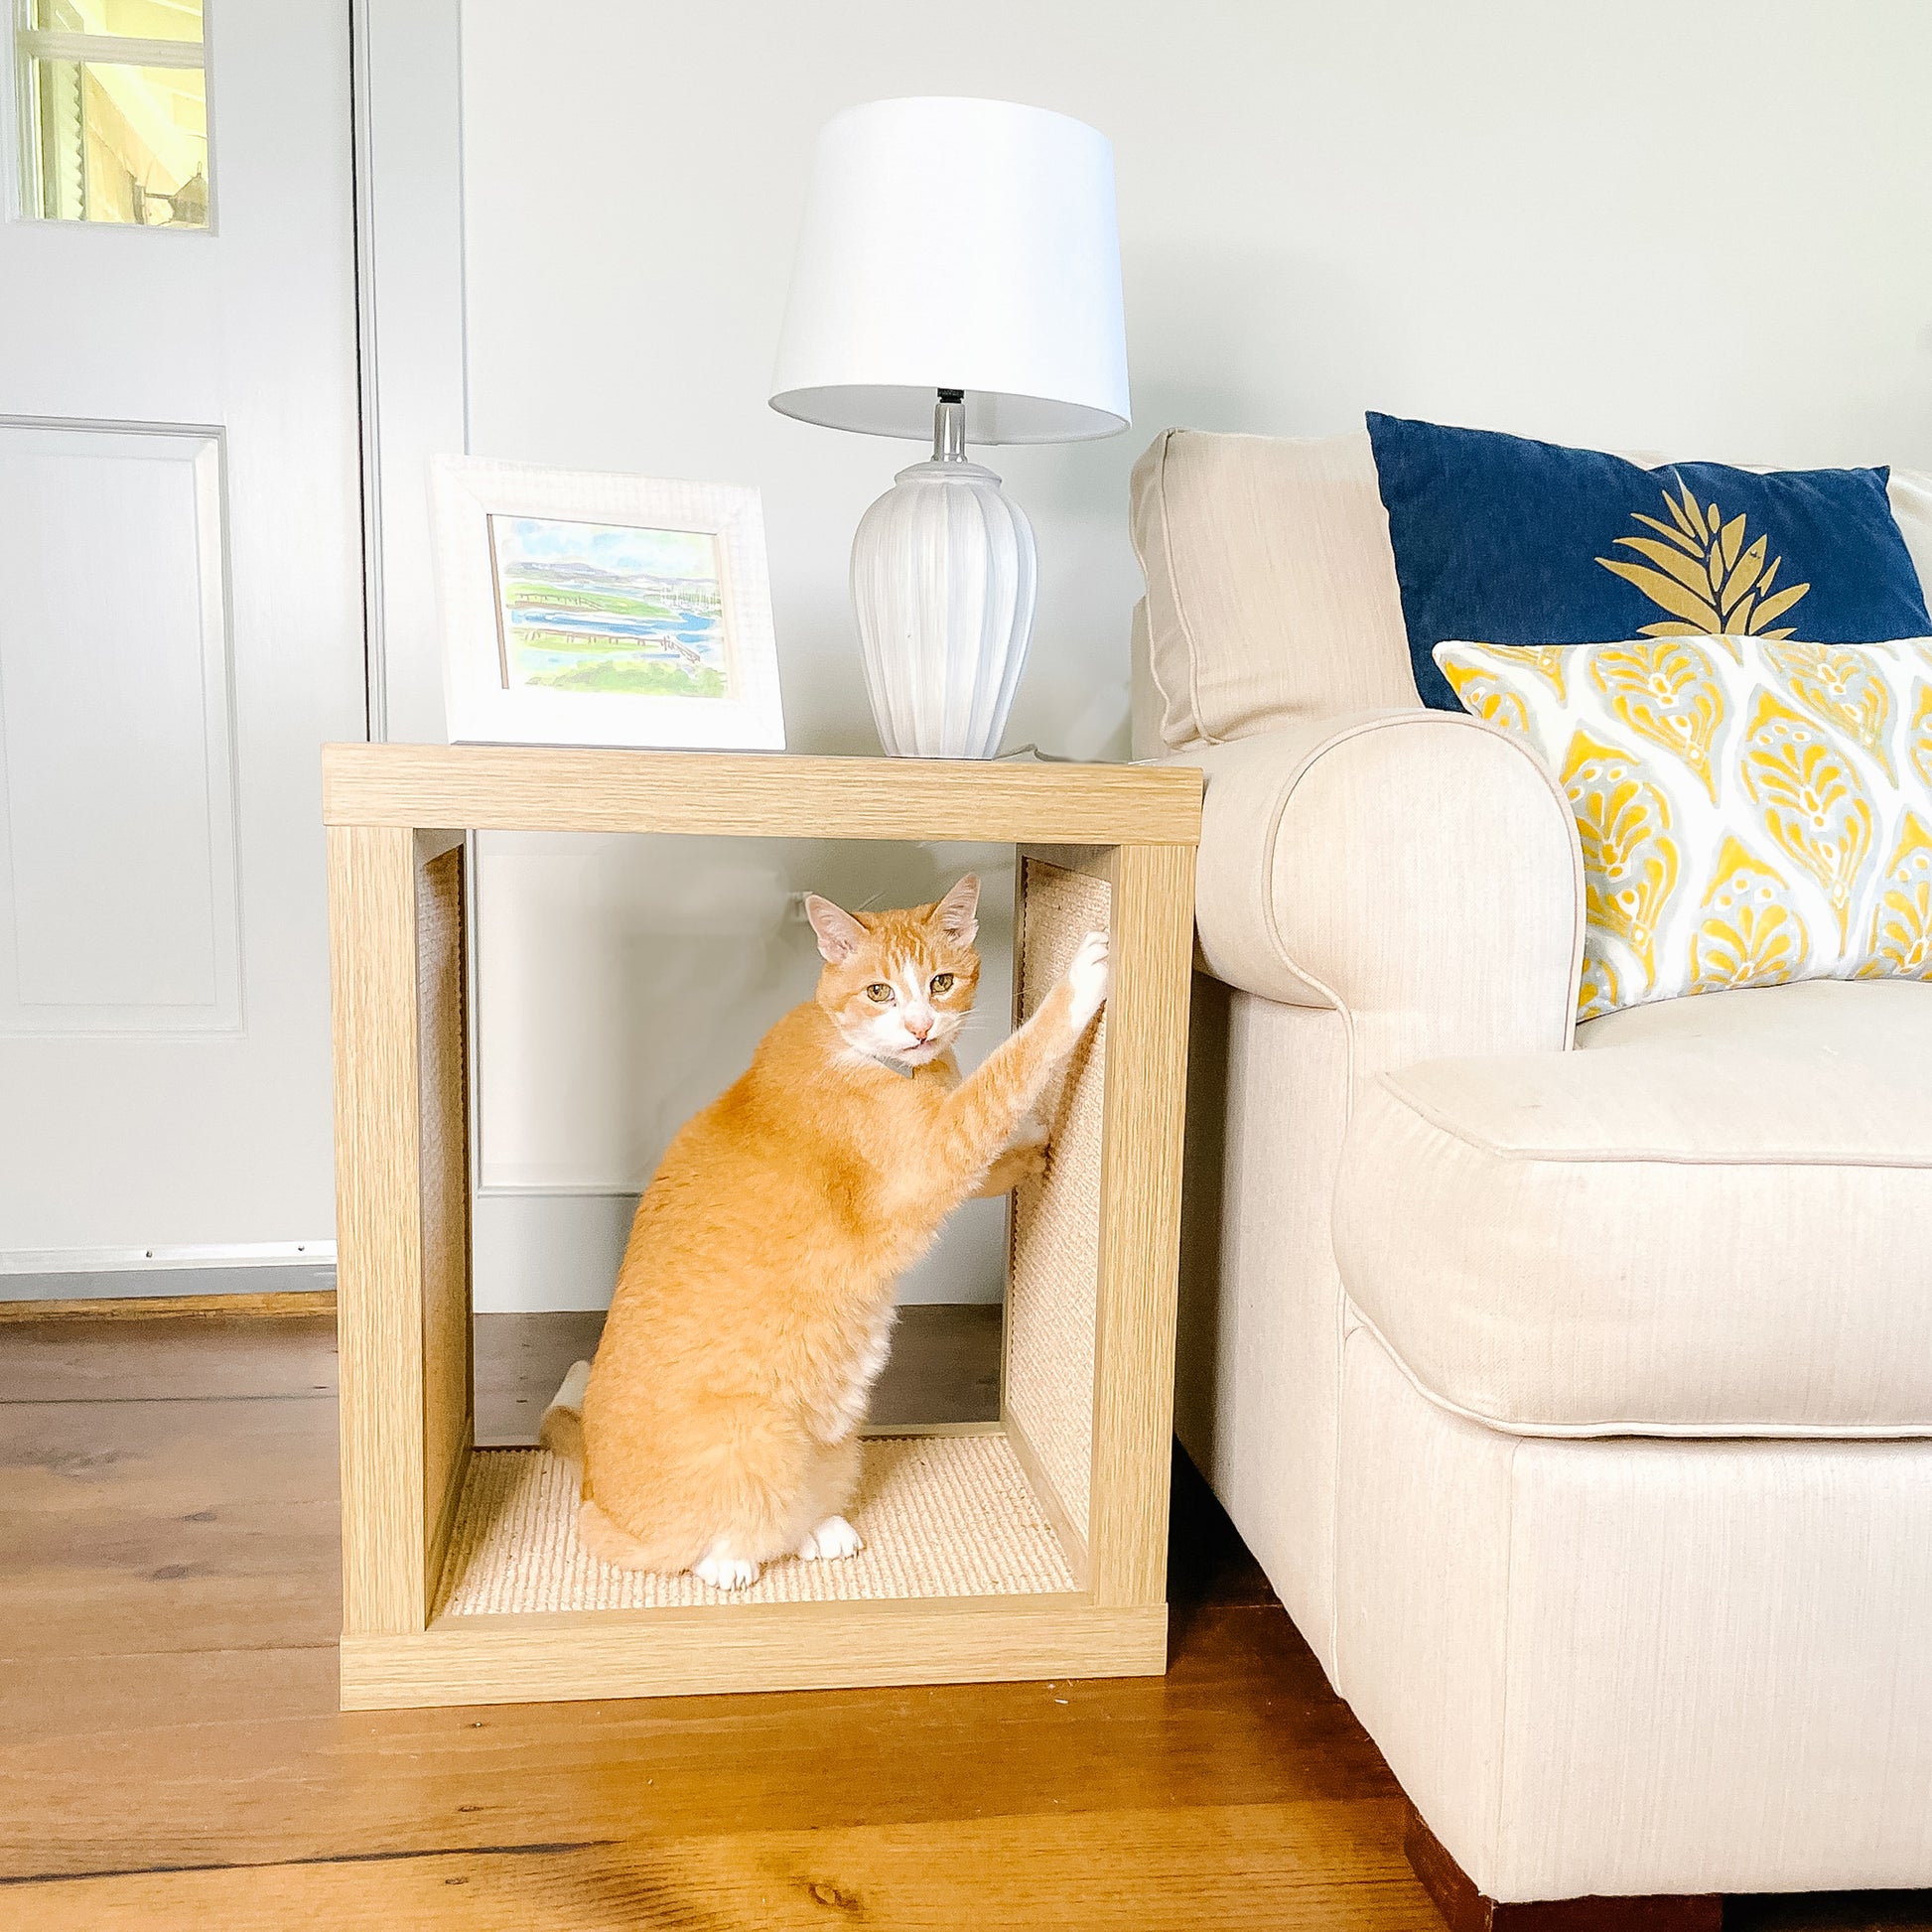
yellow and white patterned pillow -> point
(1751, 811)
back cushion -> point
(1271, 585)
(1910, 491)
(1271, 589)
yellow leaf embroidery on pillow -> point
(1482, 693)
(1668, 691)
(1918, 735)
(1600, 991)
(1837, 684)
(1630, 861)
(1750, 933)
(1901, 927)
(1810, 798)
(1701, 570)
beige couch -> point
(1572, 1384)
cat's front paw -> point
(834, 1537)
(1087, 978)
(723, 1572)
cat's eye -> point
(878, 992)
(942, 983)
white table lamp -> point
(958, 269)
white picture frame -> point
(585, 608)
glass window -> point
(116, 121)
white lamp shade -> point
(957, 244)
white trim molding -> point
(406, 73)
(105, 1261)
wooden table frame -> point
(396, 815)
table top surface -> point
(565, 788)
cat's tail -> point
(562, 1429)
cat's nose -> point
(918, 1028)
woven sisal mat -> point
(1050, 1298)
(941, 1516)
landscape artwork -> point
(608, 610)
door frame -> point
(406, 90)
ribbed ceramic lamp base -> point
(943, 581)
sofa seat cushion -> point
(1713, 1218)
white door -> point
(179, 620)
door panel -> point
(180, 633)
(118, 882)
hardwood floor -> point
(173, 1757)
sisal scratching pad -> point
(940, 1515)
(1053, 1285)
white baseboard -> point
(168, 1284)
(208, 1255)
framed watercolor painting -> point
(585, 608)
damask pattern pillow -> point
(1751, 811)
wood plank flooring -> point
(173, 1756)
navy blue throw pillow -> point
(1499, 540)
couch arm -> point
(1417, 870)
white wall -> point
(620, 984)
(1694, 224)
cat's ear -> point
(840, 935)
(956, 916)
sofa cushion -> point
(1518, 542)
(1271, 591)
(1271, 586)
(1711, 1218)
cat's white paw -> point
(1087, 978)
(834, 1537)
(723, 1572)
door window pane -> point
(117, 127)
(141, 20)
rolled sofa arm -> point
(1418, 870)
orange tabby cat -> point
(718, 1427)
